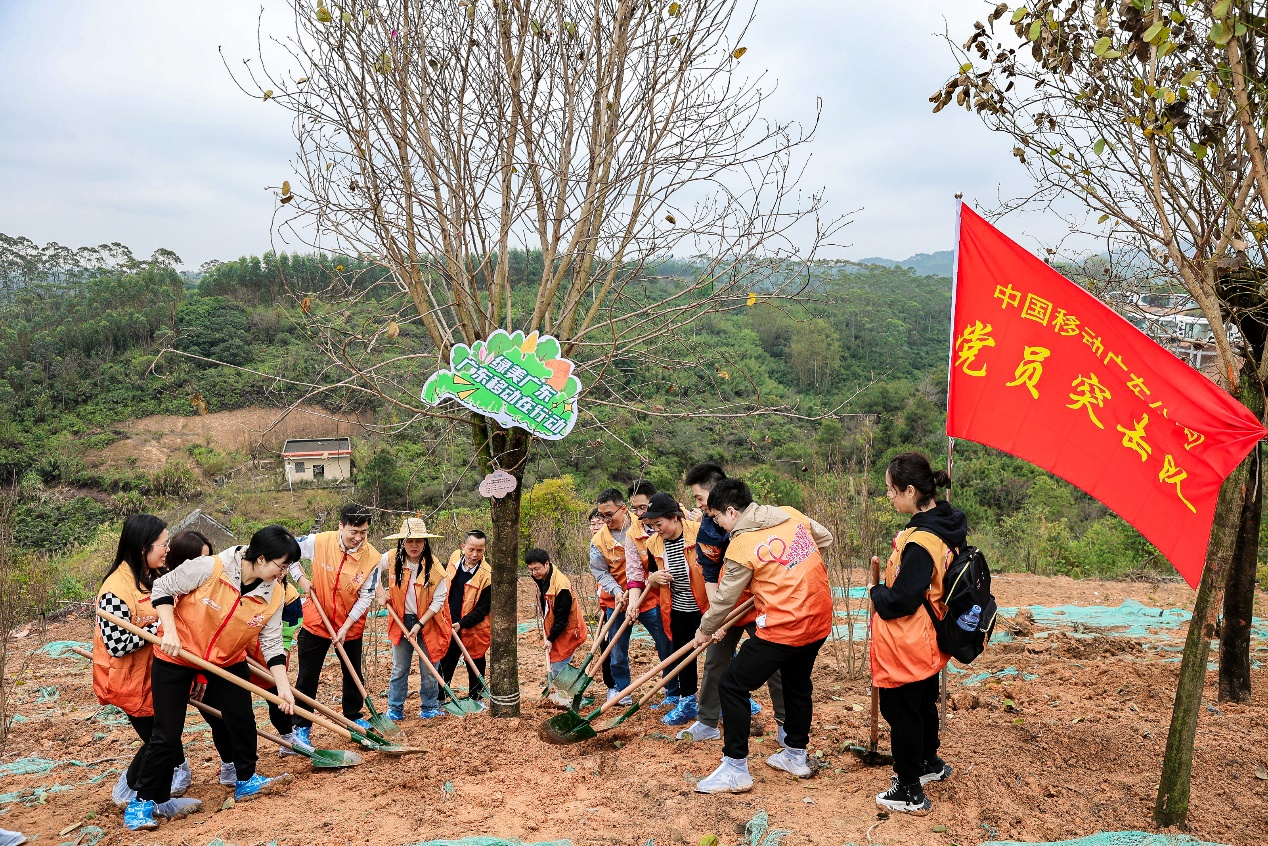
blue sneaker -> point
(684, 712)
(365, 725)
(668, 702)
(396, 714)
(301, 738)
(258, 785)
(139, 815)
(754, 707)
(430, 713)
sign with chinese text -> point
(1043, 370)
(516, 380)
(497, 484)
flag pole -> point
(955, 270)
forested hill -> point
(79, 331)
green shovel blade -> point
(617, 720)
(332, 758)
(564, 682)
(382, 724)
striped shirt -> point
(680, 588)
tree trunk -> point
(510, 451)
(1172, 806)
(1239, 594)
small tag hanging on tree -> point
(497, 484)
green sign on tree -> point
(516, 380)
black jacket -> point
(907, 594)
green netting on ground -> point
(62, 648)
(1117, 838)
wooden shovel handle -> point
(598, 636)
(347, 662)
(225, 674)
(263, 672)
(737, 612)
(597, 666)
(204, 707)
(466, 656)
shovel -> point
(452, 706)
(565, 684)
(870, 756)
(466, 656)
(577, 690)
(571, 727)
(376, 741)
(381, 724)
(319, 757)
(347, 734)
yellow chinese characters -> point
(1192, 438)
(1008, 295)
(1172, 475)
(1030, 370)
(1088, 392)
(970, 343)
(1037, 309)
(1134, 438)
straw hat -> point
(413, 527)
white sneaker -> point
(698, 731)
(289, 737)
(181, 779)
(121, 794)
(228, 774)
(781, 736)
(731, 776)
(612, 692)
(791, 761)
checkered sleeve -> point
(119, 641)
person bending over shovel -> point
(345, 576)
(214, 606)
(417, 587)
(774, 552)
(470, 600)
(563, 626)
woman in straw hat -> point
(417, 588)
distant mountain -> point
(925, 264)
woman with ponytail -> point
(905, 657)
(417, 588)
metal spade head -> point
(565, 728)
(331, 757)
(461, 707)
(564, 683)
(382, 725)
(608, 725)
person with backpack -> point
(907, 607)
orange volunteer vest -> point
(476, 640)
(790, 581)
(125, 682)
(574, 634)
(906, 650)
(656, 551)
(337, 580)
(217, 623)
(257, 654)
(436, 633)
(615, 555)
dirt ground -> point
(152, 441)
(1072, 751)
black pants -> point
(756, 662)
(450, 663)
(312, 655)
(684, 625)
(144, 727)
(912, 713)
(236, 732)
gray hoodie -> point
(735, 576)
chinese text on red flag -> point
(1045, 371)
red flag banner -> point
(1043, 370)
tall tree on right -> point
(1146, 116)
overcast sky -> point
(118, 122)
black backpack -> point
(966, 583)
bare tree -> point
(435, 139)
(1148, 113)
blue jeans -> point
(557, 667)
(398, 687)
(621, 652)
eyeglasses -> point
(640, 509)
(609, 515)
